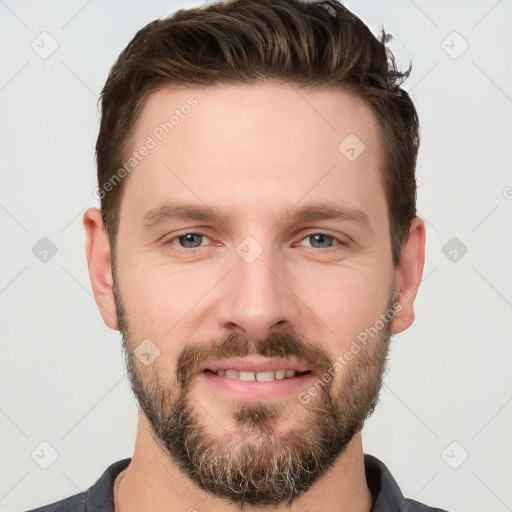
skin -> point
(252, 151)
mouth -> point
(252, 378)
(263, 376)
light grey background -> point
(448, 393)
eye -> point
(324, 240)
(187, 240)
(193, 240)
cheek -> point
(345, 299)
(172, 302)
(162, 300)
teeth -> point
(259, 376)
(264, 376)
(246, 376)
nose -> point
(256, 297)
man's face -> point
(255, 291)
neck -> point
(153, 482)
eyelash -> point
(339, 241)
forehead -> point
(234, 145)
(242, 116)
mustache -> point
(279, 345)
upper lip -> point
(253, 364)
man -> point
(257, 246)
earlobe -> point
(99, 264)
(408, 274)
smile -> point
(264, 376)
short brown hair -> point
(303, 43)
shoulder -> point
(98, 498)
(416, 506)
(74, 503)
(386, 492)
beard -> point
(256, 464)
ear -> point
(98, 261)
(408, 275)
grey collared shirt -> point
(386, 494)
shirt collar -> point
(386, 493)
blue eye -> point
(193, 240)
(323, 238)
(188, 240)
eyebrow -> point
(183, 211)
(324, 211)
(202, 213)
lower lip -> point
(254, 390)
